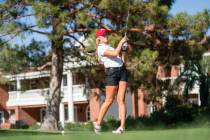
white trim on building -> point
(206, 54)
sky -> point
(189, 6)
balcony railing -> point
(38, 96)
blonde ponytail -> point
(97, 44)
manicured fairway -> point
(174, 134)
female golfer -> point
(116, 78)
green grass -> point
(172, 134)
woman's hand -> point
(123, 40)
(117, 51)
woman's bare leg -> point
(110, 95)
(121, 102)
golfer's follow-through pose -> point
(116, 78)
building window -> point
(65, 80)
(78, 78)
(1, 116)
(88, 113)
(75, 114)
(13, 86)
(42, 114)
(36, 83)
(44, 82)
(25, 84)
(66, 115)
(33, 84)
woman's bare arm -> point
(117, 51)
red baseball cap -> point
(101, 32)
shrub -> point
(78, 126)
(35, 126)
(21, 125)
(110, 124)
(172, 116)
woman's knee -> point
(108, 101)
(120, 101)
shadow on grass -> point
(15, 132)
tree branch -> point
(78, 30)
(39, 32)
(44, 66)
(77, 40)
(149, 27)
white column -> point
(61, 114)
(151, 108)
(18, 88)
(181, 68)
(164, 97)
(70, 97)
(199, 100)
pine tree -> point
(56, 19)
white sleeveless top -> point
(110, 61)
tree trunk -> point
(53, 101)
